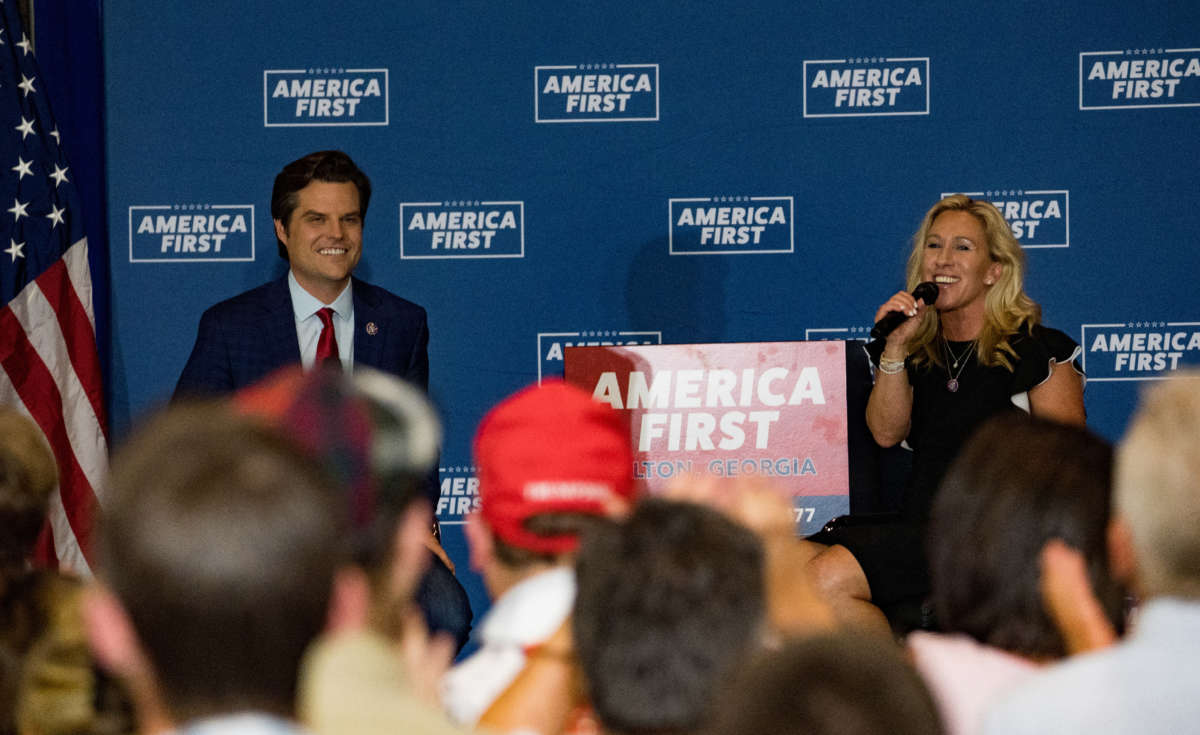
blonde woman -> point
(978, 350)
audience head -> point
(551, 463)
(1018, 483)
(28, 475)
(219, 544)
(1157, 494)
(668, 602)
(833, 684)
(376, 436)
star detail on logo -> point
(59, 175)
(16, 250)
(26, 86)
(23, 168)
(372, 329)
(26, 127)
(18, 210)
(24, 45)
(56, 215)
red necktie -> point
(327, 348)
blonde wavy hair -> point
(1007, 309)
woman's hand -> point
(889, 409)
(903, 302)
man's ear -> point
(410, 549)
(480, 543)
(280, 230)
(1122, 558)
(115, 645)
(350, 602)
(110, 633)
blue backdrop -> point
(577, 135)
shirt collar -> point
(305, 304)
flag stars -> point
(55, 216)
(25, 128)
(18, 210)
(59, 175)
(16, 250)
(23, 168)
(24, 45)
(26, 85)
(54, 134)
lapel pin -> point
(372, 329)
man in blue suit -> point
(318, 205)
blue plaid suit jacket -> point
(245, 338)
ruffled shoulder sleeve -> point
(1038, 350)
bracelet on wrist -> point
(890, 367)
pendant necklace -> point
(952, 383)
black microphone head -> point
(927, 292)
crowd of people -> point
(261, 557)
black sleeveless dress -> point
(891, 548)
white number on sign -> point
(804, 515)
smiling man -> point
(319, 312)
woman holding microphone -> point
(977, 350)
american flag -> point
(49, 366)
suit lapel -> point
(368, 348)
(283, 347)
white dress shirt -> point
(308, 325)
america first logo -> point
(1138, 78)
(824, 334)
(1039, 218)
(325, 96)
(462, 229)
(731, 225)
(1139, 350)
(866, 86)
(595, 93)
(551, 344)
(191, 233)
(459, 494)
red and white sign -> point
(772, 409)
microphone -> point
(927, 292)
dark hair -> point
(832, 684)
(1018, 483)
(220, 538)
(332, 166)
(667, 603)
(545, 524)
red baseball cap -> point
(551, 449)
